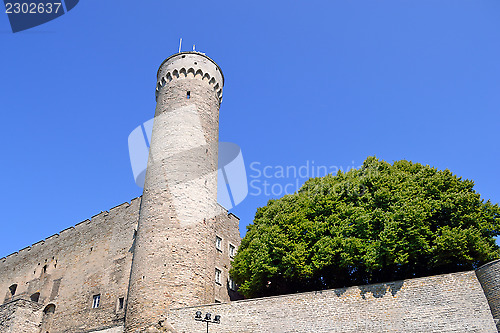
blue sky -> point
(324, 83)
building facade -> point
(148, 265)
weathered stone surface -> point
(20, 316)
(443, 303)
(180, 219)
(69, 268)
(489, 277)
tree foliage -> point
(378, 223)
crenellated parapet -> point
(66, 233)
(190, 65)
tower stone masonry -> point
(174, 252)
(149, 264)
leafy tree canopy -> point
(379, 223)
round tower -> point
(489, 278)
(171, 266)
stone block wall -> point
(444, 303)
(68, 269)
(225, 227)
(489, 277)
(20, 316)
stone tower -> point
(172, 264)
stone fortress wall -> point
(56, 279)
(443, 303)
(67, 269)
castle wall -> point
(68, 269)
(489, 277)
(444, 303)
(20, 316)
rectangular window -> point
(218, 243)
(232, 284)
(218, 276)
(188, 95)
(232, 250)
(120, 303)
(95, 301)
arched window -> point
(49, 309)
(35, 297)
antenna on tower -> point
(180, 44)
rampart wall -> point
(65, 271)
(444, 303)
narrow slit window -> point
(120, 303)
(188, 95)
(96, 300)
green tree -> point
(379, 223)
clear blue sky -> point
(323, 82)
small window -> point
(35, 297)
(188, 95)
(13, 289)
(96, 301)
(51, 308)
(218, 243)
(121, 301)
(232, 284)
(218, 276)
(232, 250)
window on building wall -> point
(96, 300)
(121, 302)
(51, 308)
(218, 276)
(188, 95)
(13, 289)
(232, 250)
(232, 284)
(218, 243)
(35, 297)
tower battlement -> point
(190, 65)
